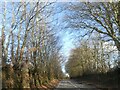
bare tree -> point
(101, 17)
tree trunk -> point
(117, 43)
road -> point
(72, 84)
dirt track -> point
(70, 84)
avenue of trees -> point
(30, 47)
(97, 23)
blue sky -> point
(64, 34)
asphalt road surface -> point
(71, 84)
